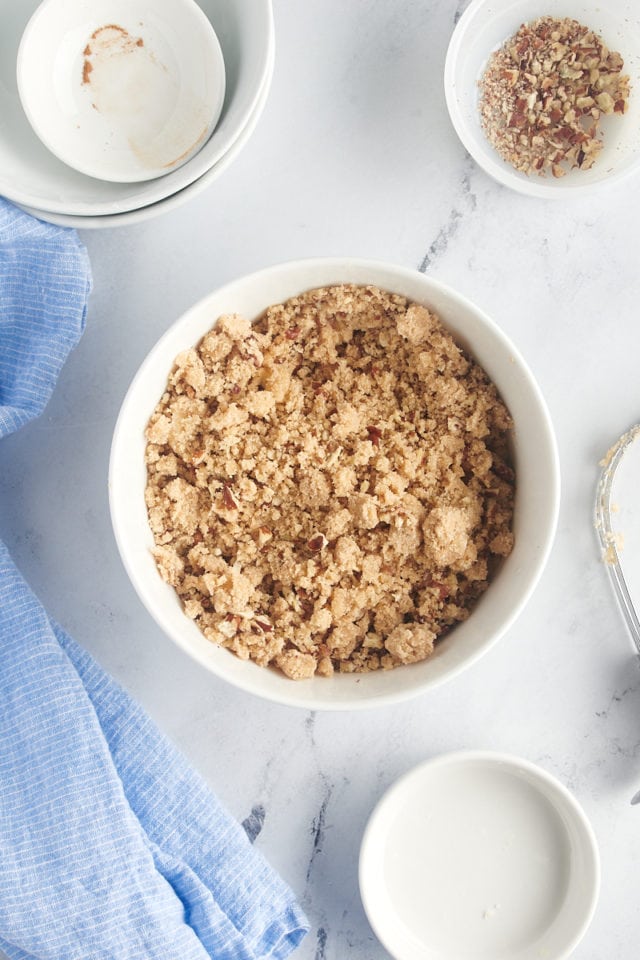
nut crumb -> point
(329, 488)
(544, 93)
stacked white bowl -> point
(33, 177)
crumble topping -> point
(544, 93)
(329, 487)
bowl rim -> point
(292, 694)
(497, 168)
(536, 777)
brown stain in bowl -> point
(186, 152)
(105, 54)
(105, 40)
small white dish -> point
(130, 217)
(479, 856)
(30, 175)
(483, 28)
(121, 90)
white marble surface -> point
(355, 155)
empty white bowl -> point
(483, 28)
(479, 856)
(31, 176)
(537, 485)
(128, 217)
(121, 90)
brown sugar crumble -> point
(329, 488)
(544, 93)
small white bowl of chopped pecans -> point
(546, 97)
(334, 483)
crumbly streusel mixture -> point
(329, 488)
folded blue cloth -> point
(111, 846)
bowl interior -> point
(122, 91)
(537, 490)
(31, 175)
(484, 26)
(479, 854)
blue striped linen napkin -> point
(111, 846)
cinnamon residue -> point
(199, 139)
(104, 42)
(109, 26)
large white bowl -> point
(192, 190)
(537, 484)
(31, 176)
(483, 28)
